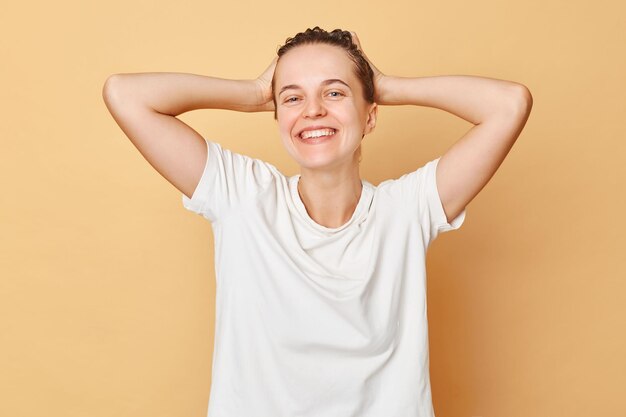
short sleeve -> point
(417, 192)
(436, 214)
(228, 179)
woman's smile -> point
(320, 102)
(315, 135)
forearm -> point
(175, 93)
(472, 98)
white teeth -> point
(317, 133)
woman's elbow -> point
(523, 98)
(111, 89)
(519, 99)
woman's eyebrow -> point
(324, 83)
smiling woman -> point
(318, 92)
(321, 277)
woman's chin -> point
(320, 162)
(318, 156)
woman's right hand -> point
(379, 77)
(264, 87)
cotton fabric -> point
(314, 321)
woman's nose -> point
(314, 108)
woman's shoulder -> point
(232, 159)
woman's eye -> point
(335, 94)
(291, 100)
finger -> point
(355, 39)
(273, 63)
(269, 71)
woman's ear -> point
(372, 113)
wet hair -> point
(337, 37)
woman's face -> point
(321, 113)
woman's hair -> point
(342, 39)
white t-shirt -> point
(314, 321)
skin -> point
(146, 106)
(330, 183)
(498, 109)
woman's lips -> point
(326, 135)
(314, 128)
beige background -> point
(107, 285)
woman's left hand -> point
(263, 84)
(379, 77)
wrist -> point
(382, 83)
(260, 91)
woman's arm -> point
(145, 106)
(499, 110)
(174, 93)
(472, 98)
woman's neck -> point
(330, 199)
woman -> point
(321, 277)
